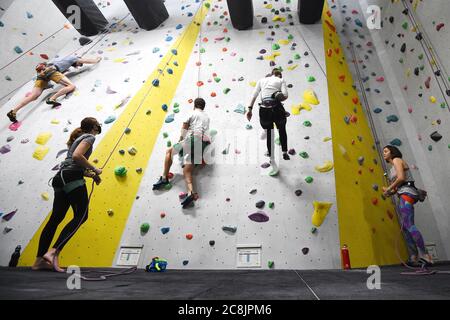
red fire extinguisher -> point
(345, 257)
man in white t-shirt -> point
(272, 90)
(193, 141)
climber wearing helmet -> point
(53, 71)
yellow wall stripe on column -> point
(369, 230)
(95, 243)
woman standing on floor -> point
(70, 191)
(402, 184)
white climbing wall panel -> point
(404, 94)
(288, 231)
(128, 59)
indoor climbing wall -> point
(31, 31)
(240, 204)
(406, 95)
(367, 221)
(129, 57)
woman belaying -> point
(402, 184)
(70, 191)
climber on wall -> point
(273, 91)
(70, 190)
(402, 184)
(54, 71)
(191, 146)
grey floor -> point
(22, 283)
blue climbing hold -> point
(358, 23)
(392, 118)
(377, 110)
(165, 230)
(164, 107)
(170, 118)
(110, 119)
(174, 52)
(169, 71)
(18, 50)
(396, 142)
(175, 64)
(155, 83)
(179, 26)
(169, 38)
(29, 15)
(2, 24)
(185, 262)
(155, 50)
(189, 14)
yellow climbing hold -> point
(320, 212)
(433, 99)
(408, 72)
(268, 6)
(278, 18)
(252, 83)
(272, 56)
(292, 67)
(119, 60)
(326, 139)
(310, 97)
(305, 106)
(344, 152)
(55, 121)
(45, 196)
(40, 152)
(295, 110)
(43, 138)
(327, 166)
(99, 107)
(283, 42)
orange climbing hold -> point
(374, 201)
(353, 119)
(332, 28)
(355, 100)
(213, 94)
(342, 78)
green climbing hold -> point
(217, 79)
(176, 110)
(212, 132)
(120, 171)
(168, 186)
(307, 123)
(290, 37)
(304, 155)
(392, 118)
(405, 25)
(241, 59)
(309, 179)
(270, 264)
(226, 90)
(145, 227)
(271, 205)
(275, 46)
(311, 79)
(207, 4)
(277, 141)
(313, 230)
(202, 50)
(430, 147)
(165, 135)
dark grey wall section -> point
(241, 13)
(149, 14)
(92, 21)
(310, 11)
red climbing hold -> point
(374, 201)
(213, 94)
(224, 49)
(353, 119)
(198, 63)
(170, 175)
(440, 26)
(389, 213)
(342, 78)
(332, 28)
(199, 83)
(329, 52)
(190, 100)
(44, 56)
(205, 39)
(162, 215)
(189, 236)
(355, 100)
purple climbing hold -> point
(291, 152)
(259, 217)
(5, 149)
(9, 216)
(262, 51)
(265, 165)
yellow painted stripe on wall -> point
(96, 242)
(365, 228)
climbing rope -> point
(160, 72)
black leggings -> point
(77, 199)
(269, 116)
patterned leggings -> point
(413, 236)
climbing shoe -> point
(160, 184)
(286, 156)
(53, 103)
(12, 116)
(188, 200)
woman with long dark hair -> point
(70, 191)
(402, 184)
